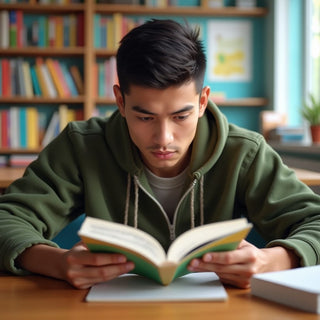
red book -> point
(80, 30)
(6, 78)
(20, 28)
(4, 128)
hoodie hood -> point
(208, 144)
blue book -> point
(43, 34)
(101, 82)
(96, 31)
(23, 127)
(35, 82)
(70, 83)
(66, 31)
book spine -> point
(20, 29)
(55, 77)
(35, 82)
(32, 128)
(42, 83)
(13, 28)
(48, 81)
(62, 79)
(20, 78)
(14, 127)
(70, 83)
(23, 127)
(75, 73)
(5, 128)
(4, 27)
(6, 74)
(27, 79)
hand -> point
(238, 266)
(82, 268)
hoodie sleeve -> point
(38, 205)
(284, 210)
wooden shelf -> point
(41, 100)
(181, 11)
(9, 151)
(243, 102)
(37, 51)
(42, 8)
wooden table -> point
(37, 297)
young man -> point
(166, 162)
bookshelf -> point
(88, 54)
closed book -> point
(55, 77)
(4, 128)
(48, 81)
(52, 130)
(35, 82)
(13, 29)
(23, 127)
(73, 30)
(14, 127)
(32, 128)
(27, 79)
(59, 32)
(4, 29)
(80, 30)
(43, 31)
(21, 89)
(63, 116)
(298, 288)
(76, 76)
(51, 31)
(6, 74)
(61, 75)
(20, 29)
(41, 79)
(72, 89)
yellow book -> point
(32, 128)
(111, 44)
(149, 257)
(59, 31)
(55, 77)
(39, 73)
(63, 116)
(73, 30)
(117, 19)
(27, 79)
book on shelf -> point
(298, 288)
(52, 30)
(47, 78)
(148, 255)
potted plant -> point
(311, 112)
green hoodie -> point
(93, 167)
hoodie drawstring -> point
(192, 217)
(136, 202)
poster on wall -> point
(229, 51)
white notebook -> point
(133, 288)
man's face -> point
(162, 124)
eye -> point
(145, 119)
(182, 117)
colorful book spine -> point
(4, 27)
(35, 82)
(32, 140)
(22, 143)
(70, 83)
(13, 28)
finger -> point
(87, 276)
(88, 258)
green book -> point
(148, 255)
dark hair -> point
(160, 54)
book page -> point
(194, 238)
(125, 236)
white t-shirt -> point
(168, 191)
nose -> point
(163, 133)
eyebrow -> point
(142, 110)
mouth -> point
(163, 155)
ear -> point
(204, 98)
(119, 99)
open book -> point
(148, 255)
